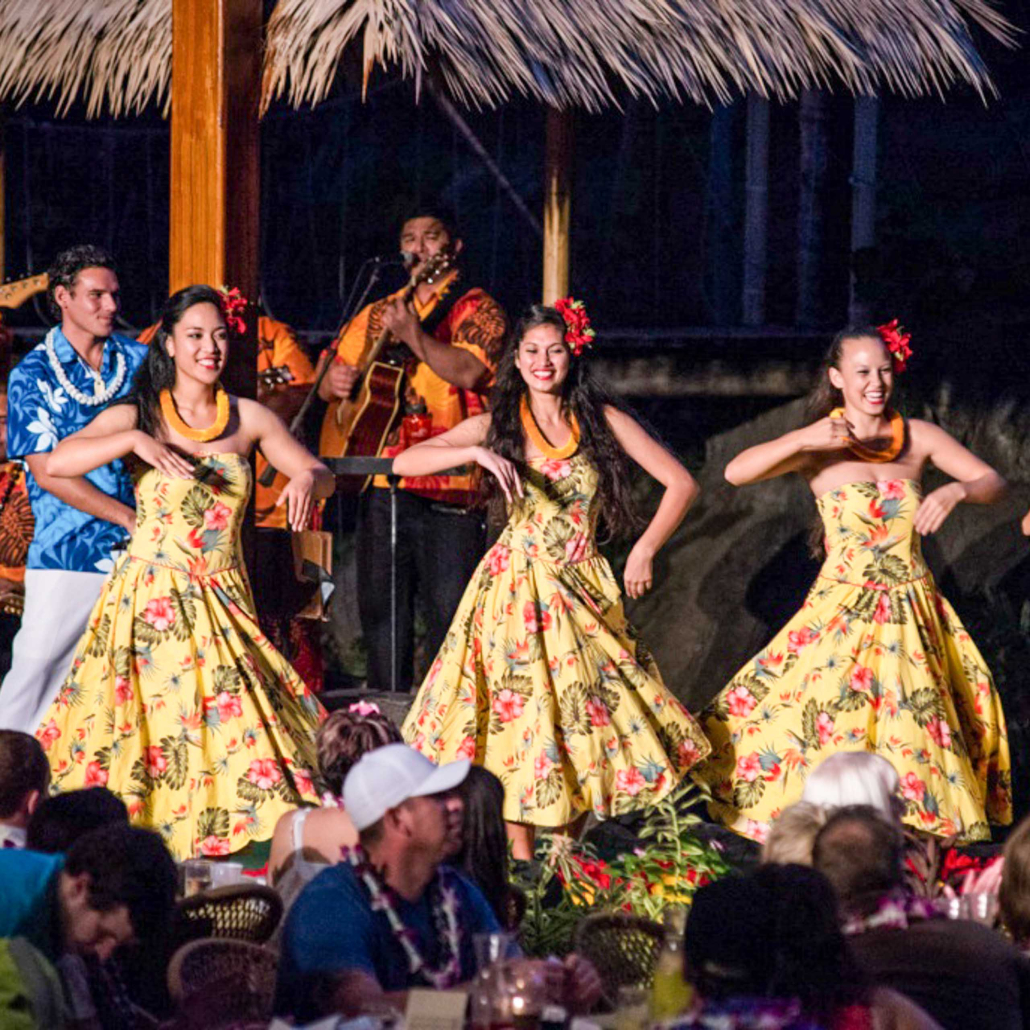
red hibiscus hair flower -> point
(578, 333)
(897, 342)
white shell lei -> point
(380, 896)
(101, 393)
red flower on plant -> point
(897, 342)
(264, 773)
(508, 705)
(159, 613)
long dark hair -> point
(484, 850)
(585, 398)
(157, 372)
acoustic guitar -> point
(13, 295)
(360, 424)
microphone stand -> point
(268, 476)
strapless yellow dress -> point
(176, 701)
(542, 680)
(875, 660)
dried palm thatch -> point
(113, 54)
(580, 52)
(116, 54)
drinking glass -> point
(225, 874)
(491, 948)
(196, 876)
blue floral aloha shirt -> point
(40, 413)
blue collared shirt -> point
(40, 413)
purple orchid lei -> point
(445, 915)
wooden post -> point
(863, 200)
(557, 203)
(719, 205)
(756, 209)
(215, 171)
(814, 157)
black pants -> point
(438, 548)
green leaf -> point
(809, 727)
(747, 795)
(195, 503)
(213, 822)
(176, 752)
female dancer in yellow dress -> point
(541, 679)
(175, 700)
(876, 659)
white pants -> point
(57, 607)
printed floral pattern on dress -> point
(175, 700)
(876, 660)
(541, 678)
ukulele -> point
(359, 425)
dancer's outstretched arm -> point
(681, 491)
(975, 481)
(110, 436)
(787, 453)
(309, 479)
(460, 446)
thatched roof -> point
(116, 54)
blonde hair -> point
(854, 778)
(792, 834)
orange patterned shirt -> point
(476, 323)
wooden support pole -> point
(756, 211)
(557, 203)
(814, 160)
(215, 170)
(863, 200)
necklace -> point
(101, 393)
(214, 430)
(445, 916)
(864, 453)
(538, 439)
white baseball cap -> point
(386, 776)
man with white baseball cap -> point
(388, 917)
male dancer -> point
(455, 335)
(57, 388)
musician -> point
(55, 390)
(454, 333)
(285, 375)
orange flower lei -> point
(864, 453)
(538, 439)
(213, 431)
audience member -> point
(961, 972)
(24, 779)
(115, 885)
(1014, 890)
(410, 921)
(62, 819)
(483, 857)
(308, 839)
(792, 834)
(767, 948)
(855, 778)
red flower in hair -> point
(896, 340)
(578, 333)
(234, 305)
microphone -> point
(403, 260)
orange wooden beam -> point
(215, 166)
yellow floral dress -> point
(541, 679)
(875, 660)
(175, 700)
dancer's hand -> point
(504, 471)
(828, 434)
(299, 497)
(161, 457)
(639, 575)
(936, 507)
